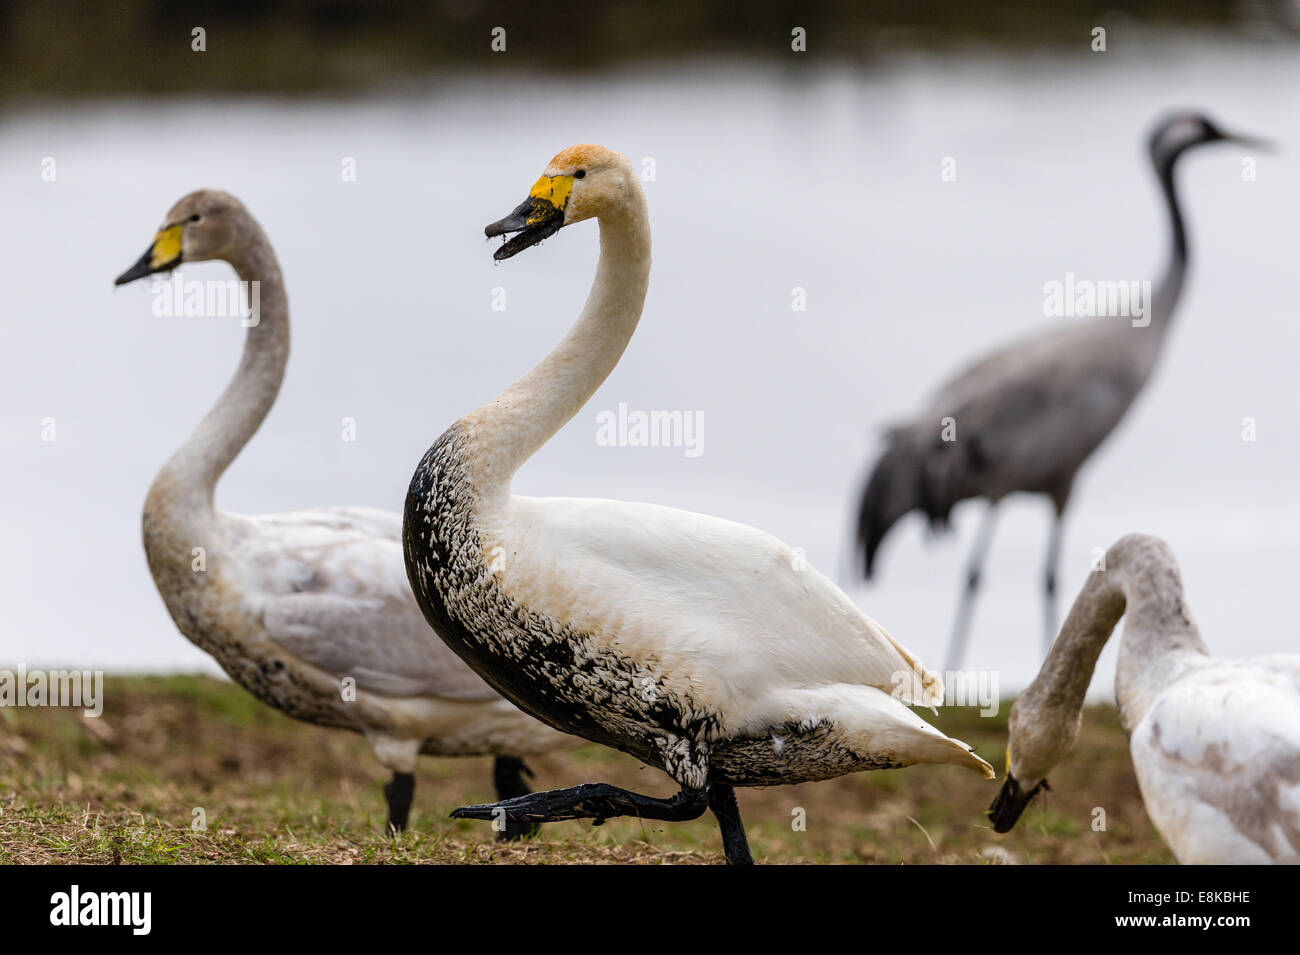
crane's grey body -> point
(1028, 416)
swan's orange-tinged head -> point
(581, 182)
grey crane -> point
(1027, 417)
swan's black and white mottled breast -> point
(561, 675)
(546, 668)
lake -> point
(771, 188)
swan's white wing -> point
(728, 609)
(382, 644)
(1218, 760)
(333, 592)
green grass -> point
(123, 789)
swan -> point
(702, 647)
(1215, 743)
(309, 611)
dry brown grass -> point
(123, 789)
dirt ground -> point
(170, 752)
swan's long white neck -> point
(508, 430)
(1142, 583)
(185, 487)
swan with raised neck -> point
(310, 610)
(701, 646)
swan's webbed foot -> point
(601, 801)
(594, 801)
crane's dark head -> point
(1180, 131)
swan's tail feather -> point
(913, 684)
(939, 748)
(965, 756)
(874, 722)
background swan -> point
(700, 646)
(291, 605)
(1215, 743)
(1028, 416)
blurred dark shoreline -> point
(339, 47)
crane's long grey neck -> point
(190, 476)
(514, 425)
(1141, 580)
(1170, 286)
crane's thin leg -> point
(595, 801)
(1049, 582)
(966, 603)
(508, 776)
(399, 791)
(722, 800)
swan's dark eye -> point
(579, 174)
(196, 217)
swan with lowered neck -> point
(1215, 743)
(291, 605)
(702, 647)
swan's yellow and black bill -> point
(162, 256)
(538, 217)
(1011, 801)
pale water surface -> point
(765, 181)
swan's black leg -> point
(722, 800)
(399, 791)
(508, 776)
(595, 801)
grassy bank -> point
(124, 789)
